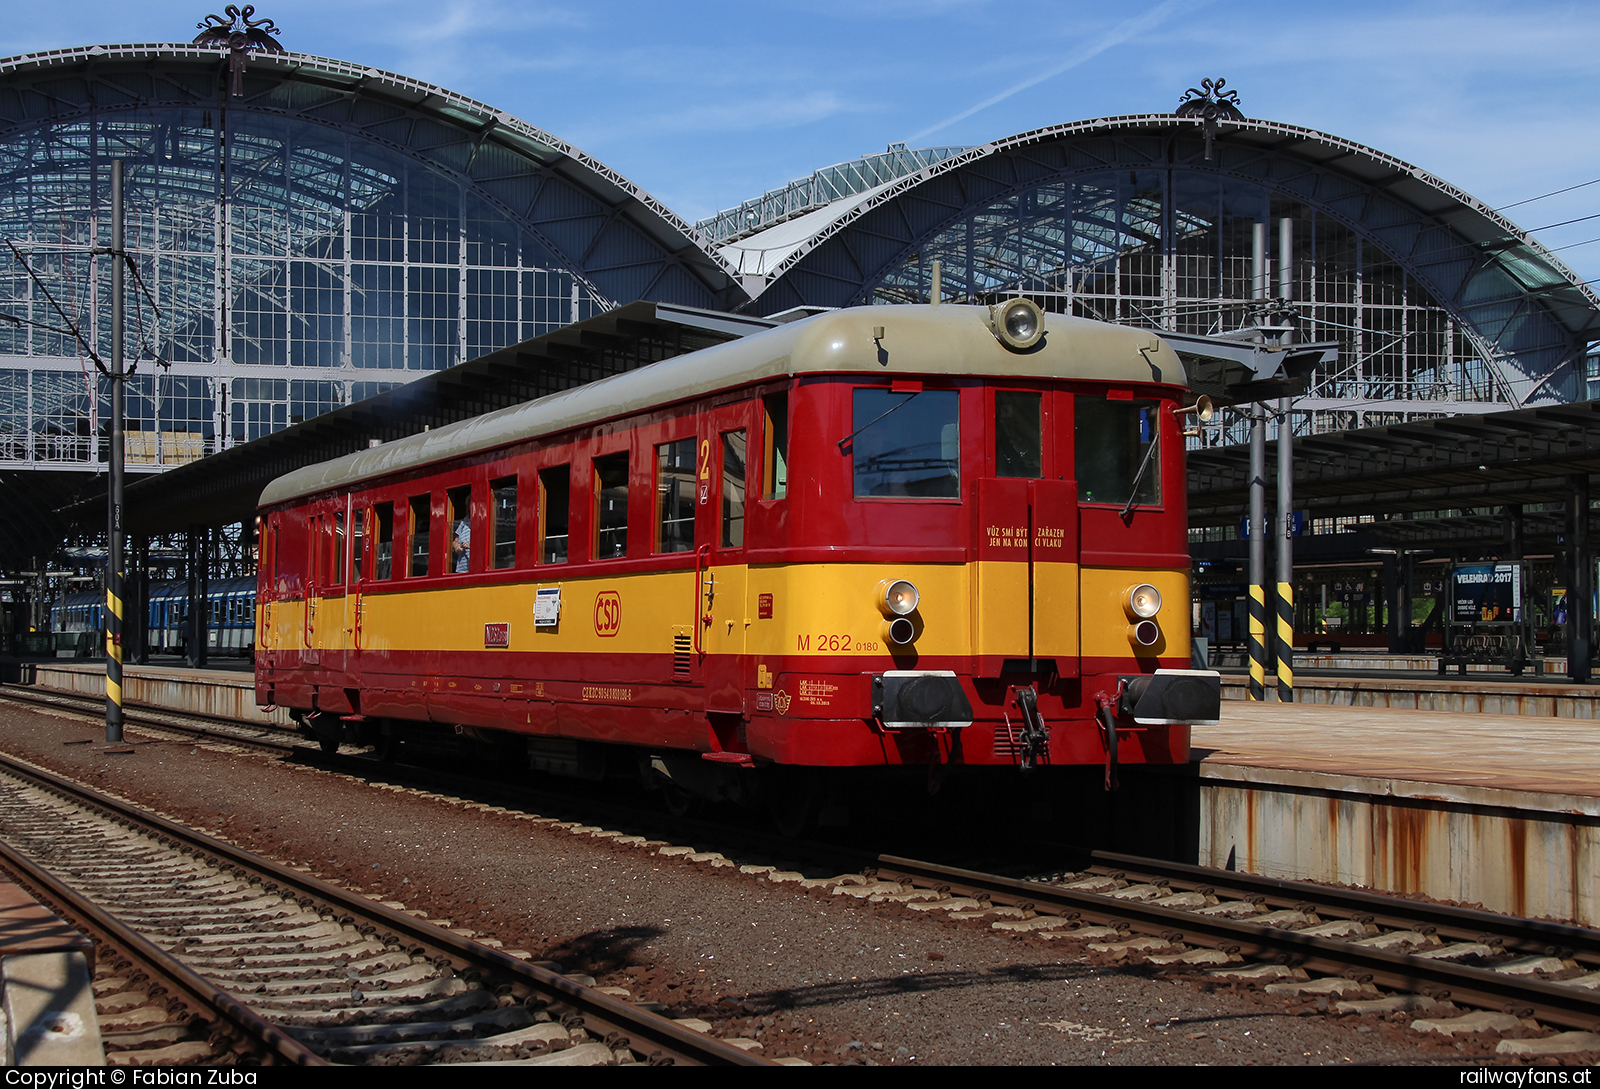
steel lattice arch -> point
(330, 233)
(327, 234)
(1440, 304)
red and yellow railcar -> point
(874, 537)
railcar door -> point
(1025, 598)
(336, 601)
(311, 604)
(721, 480)
(675, 532)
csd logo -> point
(607, 613)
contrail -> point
(1119, 34)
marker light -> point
(1142, 601)
(1146, 632)
(899, 631)
(897, 597)
(1019, 323)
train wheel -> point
(328, 745)
(677, 801)
(793, 799)
(386, 748)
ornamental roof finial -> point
(238, 33)
(1210, 103)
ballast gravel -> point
(800, 973)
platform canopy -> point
(1458, 484)
(1440, 301)
(224, 487)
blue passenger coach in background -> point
(75, 619)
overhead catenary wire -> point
(1553, 193)
(71, 328)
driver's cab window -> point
(906, 445)
(1018, 434)
(1117, 448)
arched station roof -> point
(1524, 312)
(819, 189)
(330, 233)
(612, 234)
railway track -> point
(1235, 927)
(232, 957)
(1216, 920)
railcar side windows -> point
(458, 507)
(733, 451)
(1112, 440)
(421, 515)
(674, 496)
(383, 559)
(611, 507)
(907, 445)
(503, 522)
(775, 463)
(555, 498)
(1018, 435)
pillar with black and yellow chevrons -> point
(1258, 542)
(113, 618)
(1285, 546)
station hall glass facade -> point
(289, 270)
(310, 235)
(1438, 304)
(1169, 250)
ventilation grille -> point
(682, 648)
(1008, 742)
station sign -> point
(1486, 592)
(1297, 525)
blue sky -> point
(706, 104)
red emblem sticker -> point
(764, 605)
(497, 635)
(607, 613)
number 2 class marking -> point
(705, 459)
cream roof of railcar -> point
(947, 339)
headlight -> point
(897, 597)
(1019, 323)
(1143, 601)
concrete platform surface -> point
(1523, 753)
(50, 1014)
(26, 926)
(45, 969)
(224, 693)
(1500, 810)
(1431, 692)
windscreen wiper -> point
(880, 416)
(1144, 467)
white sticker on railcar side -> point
(547, 607)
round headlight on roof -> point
(1019, 323)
